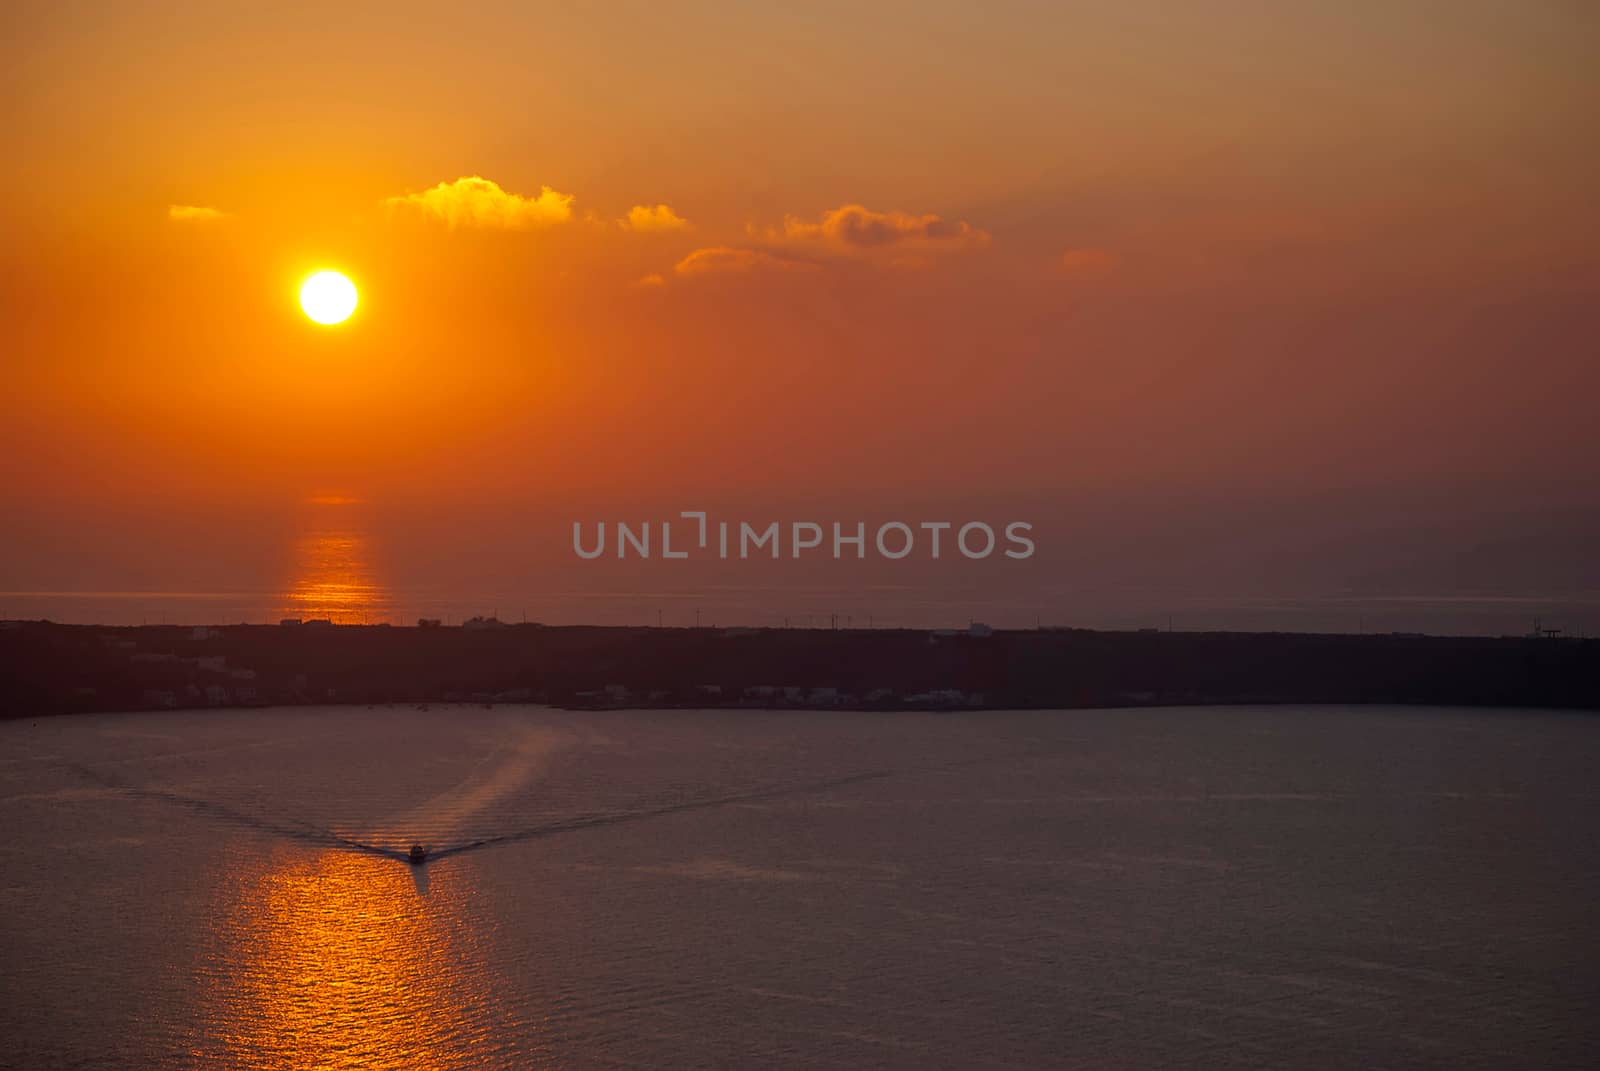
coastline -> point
(48, 668)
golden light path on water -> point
(345, 960)
(333, 576)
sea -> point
(1229, 887)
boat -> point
(418, 854)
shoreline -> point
(48, 668)
(1308, 706)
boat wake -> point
(306, 833)
(520, 756)
(597, 820)
(289, 829)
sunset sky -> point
(1294, 300)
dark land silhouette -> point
(48, 668)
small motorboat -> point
(418, 854)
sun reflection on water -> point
(341, 960)
(333, 575)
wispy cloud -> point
(659, 218)
(722, 259)
(474, 201)
(194, 214)
(856, 228)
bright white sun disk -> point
(328, 297)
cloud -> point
(1088, 263)
(194, 214)
(884, 239)
(855, 228)
(655, 278)
(474, 201)
(659, 218)
(722, 259)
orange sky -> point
(909, 252)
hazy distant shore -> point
(49, 668)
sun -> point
(328, 297)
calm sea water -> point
(1228, 887)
